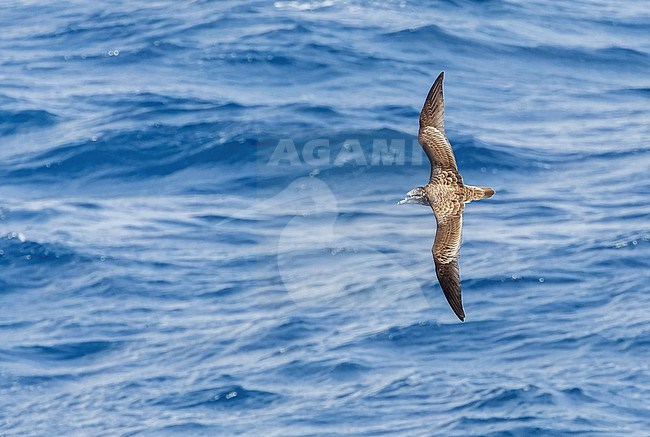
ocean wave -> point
(62, 351)
(13, 122)
(234, 396)
(16, 251)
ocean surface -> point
(199, 233)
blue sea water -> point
(199, 233)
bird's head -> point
(416, 195)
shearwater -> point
(446, 194)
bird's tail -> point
(487, 192)
(477, 193)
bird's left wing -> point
(446, 251)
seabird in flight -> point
(445, 194)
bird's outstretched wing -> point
(433, 111)
(432, 135)
(446, 250)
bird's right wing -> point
(446, 251)
(439, 152)
(432, 135)
(433, 110)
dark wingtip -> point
(449, 280)
(440, 77)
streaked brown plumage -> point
(446, 194)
